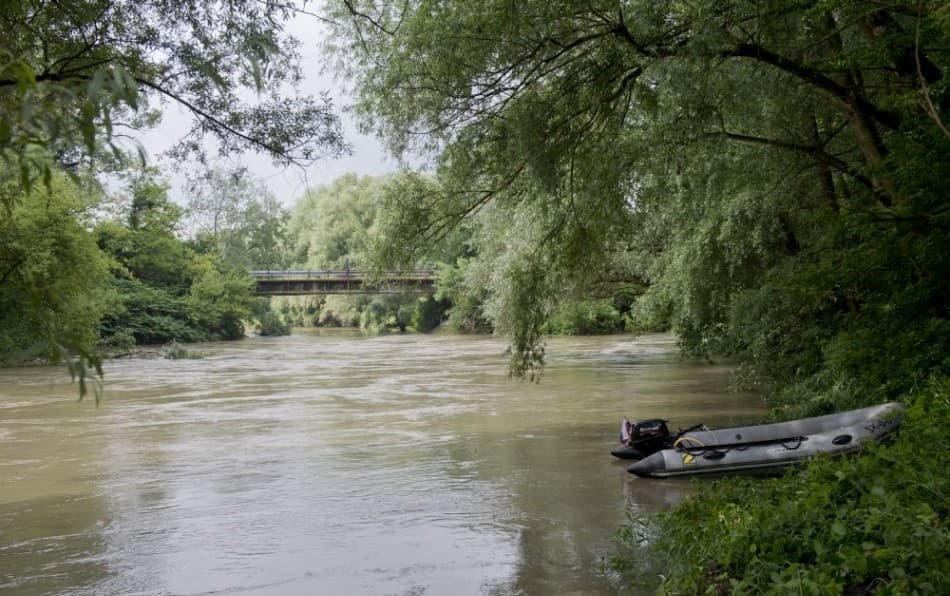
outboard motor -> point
(647, 437)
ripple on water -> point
(334, 465)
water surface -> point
(339, 464)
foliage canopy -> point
(771, 176)
(76, 78)
(75, 75)
(54, 280)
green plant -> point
(175, 351)
(585, 317)
(122, 339)
(272, 324)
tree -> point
(166, 291)
(75, 77)
(145, 243)
(219, 301)
(715, 155)
(53, 279)
(333, 225)
(75, 74)
(237, 216)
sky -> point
(286, 183)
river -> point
(401, 465)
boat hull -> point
(769, 448)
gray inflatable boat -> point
(766, 448)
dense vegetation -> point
(85, 269)
(338, 227)
(75, 78)
(170, 289)
(53, 277)
(333, 227)
(767, 179)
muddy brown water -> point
(339, 464)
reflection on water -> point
(338, 464)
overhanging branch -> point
(215, 121)
(814, 152)
(848, 97)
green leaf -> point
(5, 131)
(87, 124)
(25, 180)
(126, 88)
(96, 85)
(838, 529)
(26, 78)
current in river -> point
(338, 464)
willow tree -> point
(772, 173)
(75, 75)
(333, 225)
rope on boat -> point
(698, 447)
(676, 443)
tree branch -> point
(924, 88)
(814, 152)
(215, 121)
(848, 98)
(374, 22)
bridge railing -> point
(303, 274)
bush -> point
(175, 351)
(122, 339)
(272, 325)
(427, 314)
(153, 315)
(586, 317)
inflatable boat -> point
(767, 448)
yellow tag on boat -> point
(688, 459)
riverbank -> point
(866, 524)
(175, 350)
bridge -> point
(344, 281)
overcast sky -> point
(287, 184)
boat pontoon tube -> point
(765, 447)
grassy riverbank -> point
(873, 523)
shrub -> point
(122, 339)
(272, 324)
(175, 351)
(586, 317)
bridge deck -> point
(330, 281)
